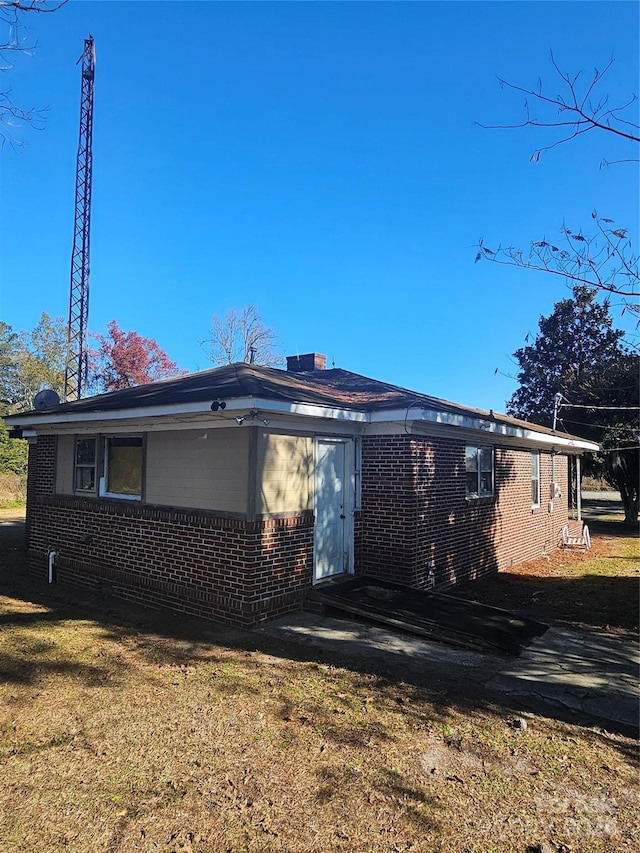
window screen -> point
(123, 465)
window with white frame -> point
(122, 467)
(85, 461)
(535, 478)
(480, 471)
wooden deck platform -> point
(438, 616)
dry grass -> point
(596, 589)
(121, 730)
(13, 490)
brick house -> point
(230, 493)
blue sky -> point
(317, 160)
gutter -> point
(30, 423)
(488, 426)
(36, 420)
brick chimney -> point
(305, 363)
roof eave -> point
(47, 420)
(487, 426)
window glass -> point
(472, 483)
(124, 465)
(471, 456)
(479, 471)
(85, 479)
(85, 465)
(486, 471)
(86, 451)
(471, 463)
(535, 478)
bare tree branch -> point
(12, 14)
(582, 114)
(8, 7)
(604, 260)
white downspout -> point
(52, 556)
(578, 489)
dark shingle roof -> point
(332, 388)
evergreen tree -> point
(576, 344)
(578, 354)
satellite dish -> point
(45, 399)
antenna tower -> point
(75, 374)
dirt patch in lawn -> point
(124, 730)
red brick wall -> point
(414, 514)
(386, 530)
(232, 570)
(419, 528)
(41, 471)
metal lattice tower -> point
(75, 375)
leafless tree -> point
(13, 41)
(602, 257)
(241, 335)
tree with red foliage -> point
(126, 359)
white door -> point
(333, 533)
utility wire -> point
(598, 426)
(609, 408)
(601, 426)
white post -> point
(52, 556)
(578, 489)
(557, 399)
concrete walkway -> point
(585, 673)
